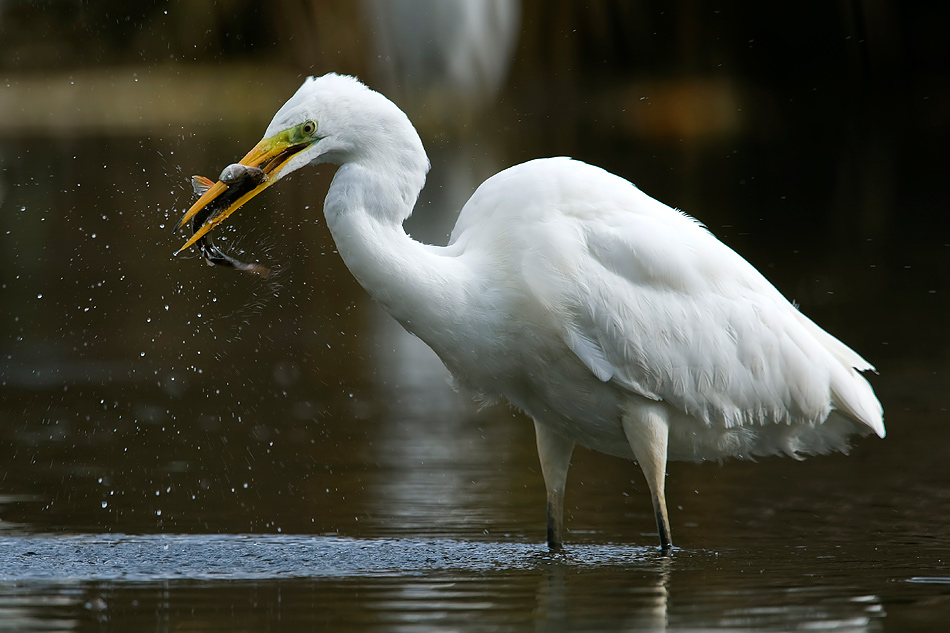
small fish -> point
(232, 175)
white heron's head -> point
(330, 119)
(344, 121)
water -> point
(250, 582)
(189, 448)
(416, 584)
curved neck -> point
(416, 283)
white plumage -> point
(651, 304)
(611, 319)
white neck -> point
(418, 284)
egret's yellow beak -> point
(271, 156)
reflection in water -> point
(643, 592)
(246, 582)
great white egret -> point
(611, 319)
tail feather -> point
(856, 399)
(851, 394)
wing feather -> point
(667, 311)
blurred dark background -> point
(144, 392)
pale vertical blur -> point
(451, 56)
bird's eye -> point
(309, 127)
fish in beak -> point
(240, 182)
(212, 255)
